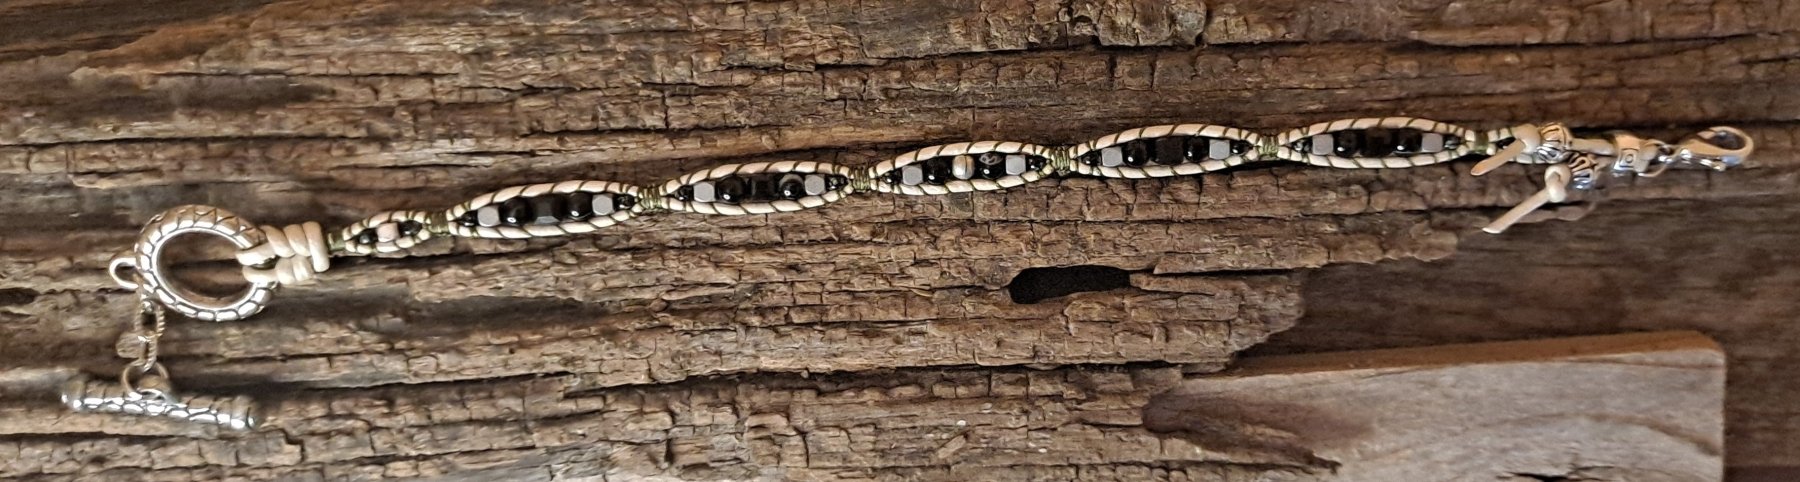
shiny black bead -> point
(1347, 143)
(547, 209)
(1239, 147)
(1378, 143)
(467, 219)
(937, 170)
(1172, 150)
(1408, 141)
(1137, 153)
(833, 183)
(1035, 163)
(731, 189)
(891, 177)
(624, 202)
(1304, 145)
(410, 228)
(683, 193)
(366, 237)
(791, 187)
(1197, 147)
(990, 171)
(580, 206)
(515, 212)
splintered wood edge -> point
(1491, 352)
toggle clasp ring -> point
(146, 258)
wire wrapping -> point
(291, 255)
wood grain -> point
(1624, 407)
(333, 110)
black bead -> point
(624, 202)
(1035, 163)
(1091, 158)
(891, 177)
(990, 171)
(467, 219)
(1172, 150)
(547, 209)
(937, 170)
(410, 228)
(833, 183)
(683, 193)
(731, 189)
(1239, 147)
(515, 211)
(366, 237)
(1198, 147)
(1347, 143)
(1408, 141)
(580, 206)
(1304, 145)
(1378, 143)
(1137, 153)
(765, 187)
(791, 187)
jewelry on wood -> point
(274, 256)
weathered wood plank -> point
(1725, 268)
(1624, 407)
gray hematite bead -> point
(815, 184)
(1323, 145)
(912, 175)
(488, 215)
(705, 192)
(1016, 165)
(603, 204)
(1109, 157)
(1218, 149)
(1431, 142)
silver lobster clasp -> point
(1717, 148)
(152, 275)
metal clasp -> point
(1717, 148)
(151, 277)
(1576, 161)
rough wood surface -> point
(1643, 407)
(1725, 268)
(295, 110)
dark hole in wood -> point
(16, 296)
(1037, 284)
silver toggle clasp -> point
(151, 275)
(148, 393)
